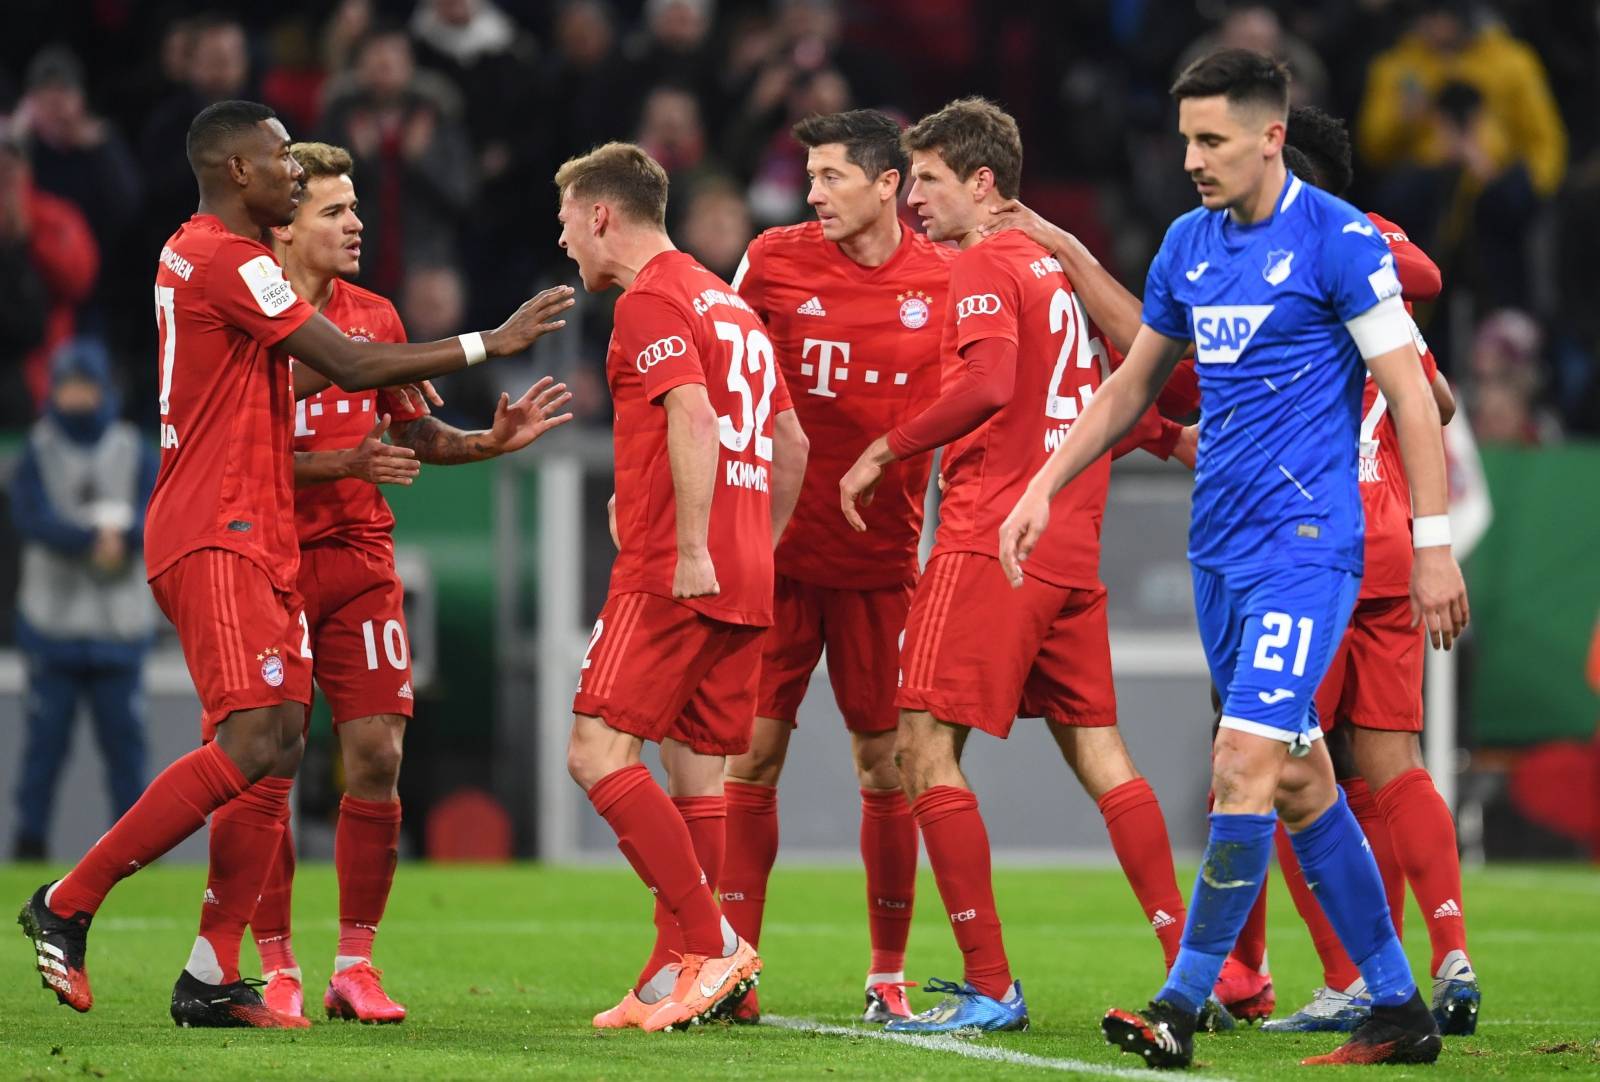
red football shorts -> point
(246, 644)
(1375, 681)
(861, 630)
(358, 631)
(978, 653)
(660, 670)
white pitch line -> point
(968, 1049)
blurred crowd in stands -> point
(1474, 125)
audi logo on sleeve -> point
(979, 304)
(658, 351)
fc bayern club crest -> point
(914, 309)
(271, 667)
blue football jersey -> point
(1280, 376)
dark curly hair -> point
(1325, 140)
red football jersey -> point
(859, 348)
(351, 511)
(677, 324)
(1009, 287)
(1385, 494)
(227, 402)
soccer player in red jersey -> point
(709, 458)
(351, 591)
(1021, 357)
(1370, 703)
(221, 550)
(851, 301)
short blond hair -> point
(622, 173)
(323, 160)
(971, 133)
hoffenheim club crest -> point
(1277, 268)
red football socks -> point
(174, 806)
(654, 838)
(1139, 837)
(270, 925)
(1250, 949)
(366, 845)
(706, 817)
(752, 832)
(958, 849)
(1367, 812)
(1338, 971)
(246, 833)
(889, 854)
(1424, 839)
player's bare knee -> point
(876, 759)
(1380, 756)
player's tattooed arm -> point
(790, 448)
(371, 460)
(1114, 309)
(516, 424)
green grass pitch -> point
(503, 967)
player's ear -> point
(599, 219)
(283, 234)
(981, 183)
(239, 169)
(889, 184)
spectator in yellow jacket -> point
(1398, 126)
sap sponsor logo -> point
(745, 475)
(1279, 264)
(660, 350)
(267, 285)
(1222, 331)
(979, 304)
(1385, 283)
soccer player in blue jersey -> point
(1289, 296)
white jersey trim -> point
(1271, 732)
(744, 268)
(1291, 195)
(1381, 329)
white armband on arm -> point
(1381, 329)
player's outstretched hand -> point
(1438, 595)
(381, 463)
(529, 323)
(1012, 214)
(1021, 531)
(694, 575)
(519, 423)
(416, 397)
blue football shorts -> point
(1270, 635)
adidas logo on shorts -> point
(1448, 909)
(1161, 919)
(405, 690)
(812, 307)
